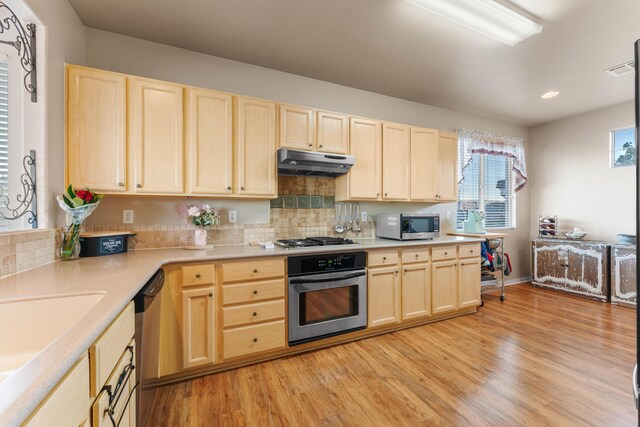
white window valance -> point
(475, 142)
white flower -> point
(207, 208)
(193, 211)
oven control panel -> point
(310, 264)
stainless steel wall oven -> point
(327, 295)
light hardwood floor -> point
(540, 358)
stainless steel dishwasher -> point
(147, 335)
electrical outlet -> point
(363, 217)
(233, 216)
(127, 216)
(448, 214)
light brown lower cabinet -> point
(198, 327)
(444, 285)
(416, 291)
(252, 339)
(468, 288)
(383, 286)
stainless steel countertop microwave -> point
(399, 226)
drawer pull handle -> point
(255, 340)
(242, 188)
(121, 184)
(446, 253)
(417, 255)
(198, 275)
(210, 294)
(138, 185)
(255, 270)
(384, 258)
(255, 314)
(255, 292)
(471, 251)
(228, 188)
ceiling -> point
(394, 48)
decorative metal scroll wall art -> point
(25, 43)
(27, 199)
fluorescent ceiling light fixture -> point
(491, 18)
(550, 94)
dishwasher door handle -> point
(634, 385)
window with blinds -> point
(488, 186)
(4, 133)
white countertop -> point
(119, 277)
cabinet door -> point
(332, 133)
(424, 164)
(396, 142)
(444, 286)
(384, 296)
(416, 291)
(209, 142)
(96, 130)
(198, 327)
(156, 136)
(469, 283)
(365, 143)
(447, 166)
(255, 148)
(297, 129)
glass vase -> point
(200, 237)
(70, 247)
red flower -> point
(85, 195)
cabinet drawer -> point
(123, 407)
(68, 403)
(250, 292)
(414, 255)
(253, 339)
(105, 353)
(382, 258)
(196, 275)
(254, 269)
(443, 253)
(251, 313)
(469, 251)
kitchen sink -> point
(28, 326)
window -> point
(623, 147)
(488, 186)
(4, 134)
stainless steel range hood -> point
(297, 162)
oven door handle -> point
(328, 279)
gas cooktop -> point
(313, 241)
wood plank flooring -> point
(540, 358)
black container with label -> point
(107, 243)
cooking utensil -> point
(339, 228)
(350, 215)
(357, 214)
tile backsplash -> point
(25, 250)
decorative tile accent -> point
(304, 202)
(329, 201)
(317, 202)
(277, 203)
(290, 202)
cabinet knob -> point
(255, 270)
(396, 272)
(138, 185)
(377, 194)
(198, 275)
(385, 194)
(310, 145)
(255, 340)
(417, 255)
(446, 253)
(210, 294)
(384, 258)
(471, 251)
(320, 145)
(228, 188)
(255, 292)
(255, 314)
(405, 271)
(121, 184)
(242, 188)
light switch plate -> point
(364, 217)
(127, 216)
(233, 216)
(448, 214)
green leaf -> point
(67, 201)
(70, 192)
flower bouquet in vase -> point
(78, 204)
(201, 216)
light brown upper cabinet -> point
(255, 165)
(424, 164)
(209, 138)
(395, 161)
(447, 166)
(332, 133)
(363, 180)
(156, 136)
(297, 127)
(96, 130)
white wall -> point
(571, 176)
(64, 35)
(134, 56)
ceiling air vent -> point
(622, 69)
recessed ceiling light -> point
(488, 17)
(550, 94)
